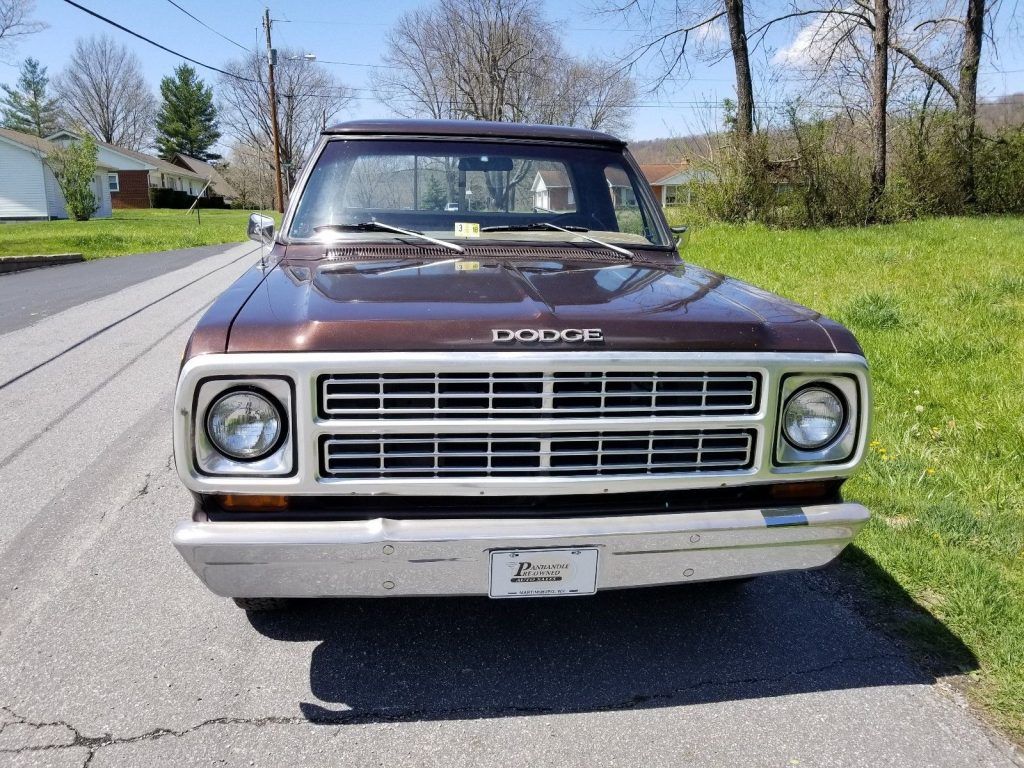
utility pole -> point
(271, 61)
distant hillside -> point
(1005, 112)
(674, 150)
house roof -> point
(158, 163)
(30, 141)
(154, 163)
(658, 173)
(553, 178)
(221, 186)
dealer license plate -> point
(543, 572)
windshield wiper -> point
(570, 229)
(379, 226)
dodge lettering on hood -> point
(471, 361)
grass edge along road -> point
(938, 306)
(128, 231)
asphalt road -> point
(113, 654)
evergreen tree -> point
(187, 120)
(26, 107)
(435, 197)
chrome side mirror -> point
(261, 228)
(682, 235)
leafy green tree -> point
(434, 197)
(75, 168)
(27, 107)
(187, 120)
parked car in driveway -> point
(518, 397)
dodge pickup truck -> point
(472, 362)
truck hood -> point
(455, 304)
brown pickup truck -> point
(472, 362)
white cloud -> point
(815, 41)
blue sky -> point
(354, 32)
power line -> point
(158, 45)
(204, 24)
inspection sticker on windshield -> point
(467, 229)
(543, 572)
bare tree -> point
(671, 34)
(967, 36)
(308, 98)
(741, 64)
(250, 170)
(16, 22)
(593, 95)
(496, 60)
(844, 50)
(103, 90)
(879, 96)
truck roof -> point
(472, 129)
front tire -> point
(261, 604)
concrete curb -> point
(19, 263)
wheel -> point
(261, 603)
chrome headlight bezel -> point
(842, 445)
(208, 459)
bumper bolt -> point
(695, 538)
(388, 549)
(389, 585)
(688, 572)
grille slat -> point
(502, 455)
(554, 394)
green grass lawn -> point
(129, 231)
(938, 306)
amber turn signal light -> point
(801, 491)
(257, 503)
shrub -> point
(926, 167)
(173, 198)
(74, 166)
(737, 186)
(999, 172)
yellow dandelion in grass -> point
(930, 471)
(874, 444)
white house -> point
(133, 173)
(553, 191)
(28, 187)
(672, 183)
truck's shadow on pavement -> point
(433, 658)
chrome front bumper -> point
(384, 557)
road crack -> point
(318, 715)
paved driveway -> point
(112, 653)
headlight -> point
(244, 424)
(813, 417)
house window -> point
(672, 195)
(113, 182)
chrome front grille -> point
(549, 394)
(561, 454)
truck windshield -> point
(477, 191)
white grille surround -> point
(312, 427)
